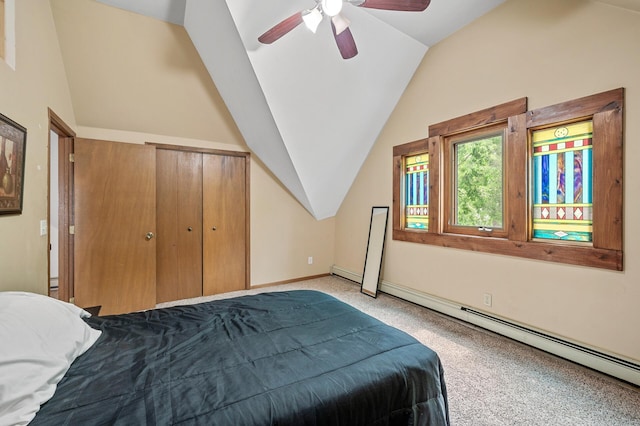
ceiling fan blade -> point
(281, 29)
(401, 5)
(345, 42)
(341, 23)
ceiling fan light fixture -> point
(340, 23)
(312, 18)
(332, 7)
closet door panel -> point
(224, 219)
(115, 218)
(179, 225)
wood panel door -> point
(179, 225)
(114, 250)
(224, 223)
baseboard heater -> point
(589, 357)
(556, 340)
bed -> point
(278, 358)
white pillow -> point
(39, 339)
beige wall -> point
(38, 83)
(130, 72)
(549, 51)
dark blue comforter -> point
(281, 358)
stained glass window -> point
(562, 182)
(416, 194)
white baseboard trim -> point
(612, 365)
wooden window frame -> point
(449, 181)
(606, 250)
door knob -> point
(189, 229)
(148, 236)
(214, 228)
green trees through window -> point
(478, 182)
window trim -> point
(606, 111)
(449, 196)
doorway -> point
(60, 212)
(54, 240)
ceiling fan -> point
(339, 24)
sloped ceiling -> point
(310, 116)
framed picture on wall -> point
(13, 141)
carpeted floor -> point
(491, 380)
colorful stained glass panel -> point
(562, 177)
(416, 191)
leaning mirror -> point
(375, 249)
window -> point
(2, 30)
(8, 32)
(474, 182)
(412, 182)
(562, 182)
(544, 184)
(417, 191)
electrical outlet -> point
(487, 299)
(43, 227)
(310, 260)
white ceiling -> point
(309, 115)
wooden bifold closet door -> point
(201, 217)
(179, 225)
(155, 224)
(224, 217)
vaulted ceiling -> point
(310, 116)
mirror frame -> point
(375, 250)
